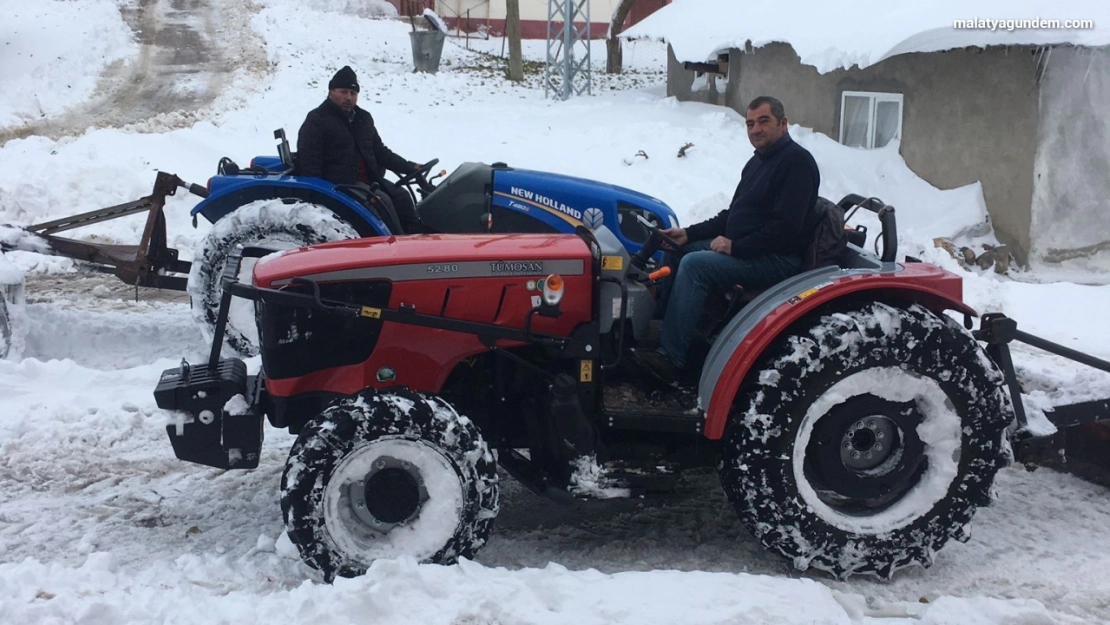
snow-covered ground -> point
(100, 524)
(53, 53)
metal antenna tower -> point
(567, 71)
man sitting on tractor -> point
(757, 241)
(339, 143)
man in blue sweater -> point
(757, 241)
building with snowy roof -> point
(1013, 94)
(490, 15)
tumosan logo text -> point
(515, 268)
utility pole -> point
(512, 31)
(567, 70)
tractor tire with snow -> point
(275, 224)
(388, 474)
(867, 440)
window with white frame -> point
(870, 119)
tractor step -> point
(653, 335)
(631, 406)
(649, 420)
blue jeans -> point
(703, 271)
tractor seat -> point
(721, 307)
(742, 296)
(376, 201)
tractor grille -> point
(298, 341)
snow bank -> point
(10, 273)
(1073, 149)
(192, 590)
(923, 211)
(53, 51)
(839, 34)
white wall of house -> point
(600, 10)
(478, 9)
(472, 14)
(1071, 193)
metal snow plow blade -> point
(145, 264)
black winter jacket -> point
(773, 210)
(328, 147)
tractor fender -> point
(742, 342)
(229, 193)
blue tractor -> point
(266, 206)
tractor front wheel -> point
(272, 224)
(388, 474)
(867, 440)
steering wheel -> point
(656, 240)
(420, 176)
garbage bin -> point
(427, 46)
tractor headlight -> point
(553, 289)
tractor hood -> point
(479, 198)
(552, 197)
(428, 257)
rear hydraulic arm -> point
(998, 330)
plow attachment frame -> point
(151, 263)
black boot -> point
(660, 366)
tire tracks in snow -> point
(189, 54)
(99, 322)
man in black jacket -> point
(339, 143)
(757, 241)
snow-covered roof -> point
(833, 34)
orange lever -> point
(660, 273)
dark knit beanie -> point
(344, 79)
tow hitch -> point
(997, 331)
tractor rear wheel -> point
(388, 474)
(274, 224)
(867, 440)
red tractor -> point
(856, 426)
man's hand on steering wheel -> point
(420, 175)
(671, 240)
(677, 237)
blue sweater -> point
(773, 209)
